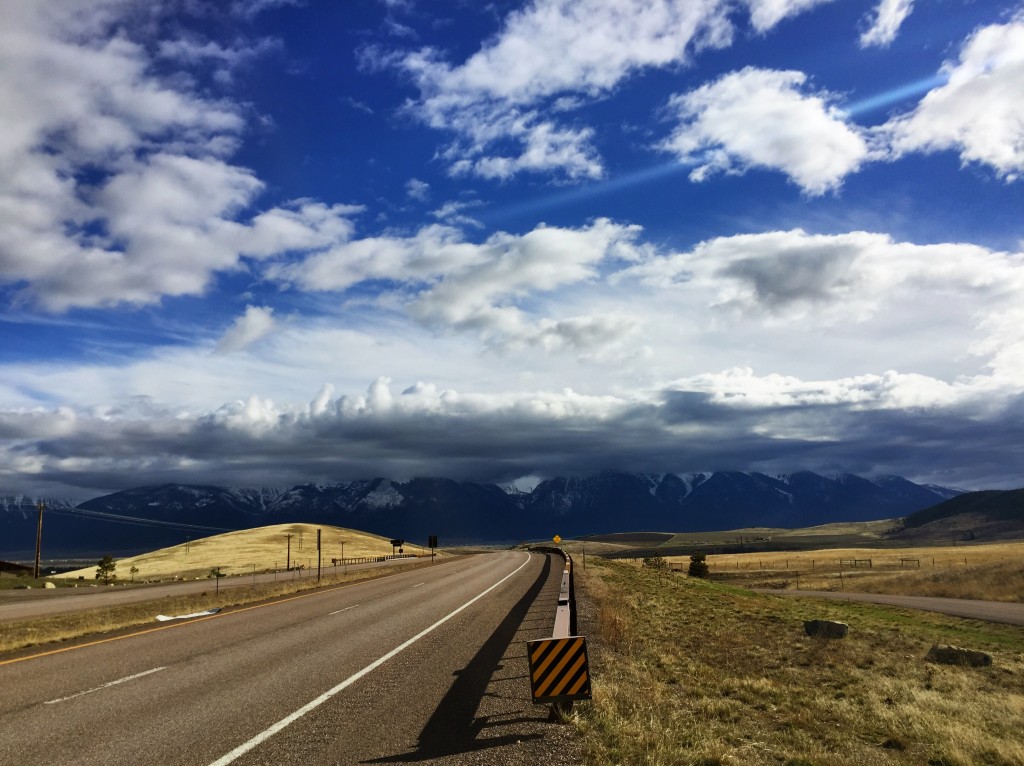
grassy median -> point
(689, 671)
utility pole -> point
(288, 555)
(39, 538)
(319, 560)
(344, 566)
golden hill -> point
(262, 549)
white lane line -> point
(105, 686)
(419, 584)
(345, 609)
(266, 734)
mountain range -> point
(145, 518)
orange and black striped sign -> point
(558, 669)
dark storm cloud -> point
(975, 445)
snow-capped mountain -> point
(609, 501)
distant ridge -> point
(988, 514)
(144, 518)
(996, 504)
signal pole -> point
(288, 555)
(39, 538)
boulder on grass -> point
(826, 629)
(955, 655)
(49, 585)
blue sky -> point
(273, 241)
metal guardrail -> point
(372, 559)
(559, 671)
(565, 612)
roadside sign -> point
(432, 541)
(557, 539)
(558, 669)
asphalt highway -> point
(423, 666)
(39, 602)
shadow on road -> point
(455, 726)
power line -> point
(117, 518)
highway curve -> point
(424, 666)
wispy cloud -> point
(888, 18)
(548, 50)
(257, 322)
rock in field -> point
(826, 628)
(954, 655)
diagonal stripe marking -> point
(556, 648)
(568, 676)
(556, 671)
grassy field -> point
(239, 553)
(989, 571)
(696, 672)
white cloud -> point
(509, 267)
(417, 189)
(446, 282)
(888, 18)
(545, 147)
(114, 183)
(766, 14)
(979, 112)
(778, 282)
(431, 252)
(757, 118)
(257, 322)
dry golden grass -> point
(989, 571)
(696, 672)
(262, 549)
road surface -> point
(993, 611)
(424, 666)
(40, 602)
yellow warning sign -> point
(557, 539)
(558, 669)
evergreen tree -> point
(698, 566)
(105, 569)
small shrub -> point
(655, 562)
